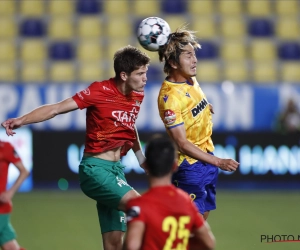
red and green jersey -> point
(169, 216)
(7, 155)
(110, 116)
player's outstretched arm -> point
(39, 114)
(185, 146)
(203, 239)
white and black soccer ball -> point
(152, 33)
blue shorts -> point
(199, 181)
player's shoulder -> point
(6, 144)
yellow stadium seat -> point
(89, 27)
(7, 8)
(205, 27)
(201, 7)
(231, 7)
(208, 71)
(33, 73)
(59, 7)
(236, 72)
(259, 8)
(33, 50)
(290, 72)
(89, 51)
(263, 50)
(290, 7)
(61, 28)
(32, 8)
(8, 72)
(233, 51)
(118, 27)
(265, 72)
(89, 72)
(145, 8)
(8, 28)
(175, 21)
(233, 27)
(287, 28)
(62, 72)
(116, 7)
(7, 51)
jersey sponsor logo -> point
(165, 98)
(169, 117)
(86, 91)
(121, 182)
(125, 118)
(133, 212)
(198, 109)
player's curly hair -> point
(171, 51)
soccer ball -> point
(153, 32)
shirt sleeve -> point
(87, 97)
(170, 111)
(12, 155)
(134, 211)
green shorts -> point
(7, 232)
(104, 181)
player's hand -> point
(6, 197)
(211, 108)
(10, 125)
(228, 165)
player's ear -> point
(173, 64)
(123, 76)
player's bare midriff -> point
(109, 155)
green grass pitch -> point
(65, 220)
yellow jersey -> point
(185, 104)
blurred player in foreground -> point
(112, 109)
(187, 116)
(7, 233)
(164, 216)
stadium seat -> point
(205, 27)
(265, 72)
(201, 7)
(287, 28)
(89, 51)
(7, 8)
(116, 7)
(209, 50)
(89, 27)
(89, 72)
(33, 73)
(208, 71)
(259, 8)
(289, 51)
(33, 50)
(236, 72)
(32, 8)
(290, 72)
(174, 6)
(287, 8)
(89, 7)
(8, 72)
(232, 27)
(61, 51)
(61, 8)
(233, 51)
(60, 28)
(32, 27)
(231, 7)
(118, 27)
(62, 72)
(263, 50)
(8, 28)
(7, 51)
(261, 27)
(143, 9)
(175, 21)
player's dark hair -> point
(160, 156)
(128, 59)
(171, 51)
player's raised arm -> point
(39, 114)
